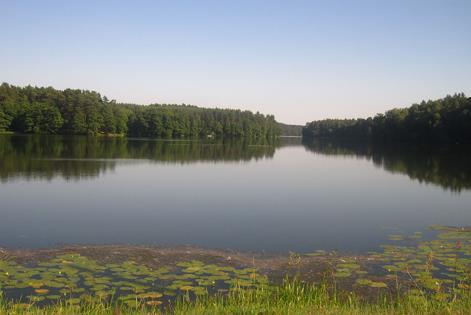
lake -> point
(273, 197)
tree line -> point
(40, 110)
(291, 130)
(446, 120)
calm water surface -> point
(246, 196)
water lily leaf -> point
(41, 291)
(396, 237)
(342, 274)
(378, 284)
(363, 282)
(186, 288)
(150, 295)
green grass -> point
(290, 298)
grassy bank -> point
(295, 298)
(290, 298)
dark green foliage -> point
(5, 120)
(330, 128)
(446, 120)
(50, 111)
(40, 118)
(183, 121)
(291, 130)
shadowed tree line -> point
(446, 120)
(77, 112)
(443, 165)
(76, 157)
(291, 130)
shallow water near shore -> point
(248, 196)
(437, 270)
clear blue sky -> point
(300, 60)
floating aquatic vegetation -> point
(396, 237)
(68, 277)
(150, 295)
(41, 291)
(317, 253)
(362, 281)
(377, 284)
(346, 268)
(439, 267)
(186, 288)
(436, 266)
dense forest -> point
(446, 120)
(50, 111)
(290, 130)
